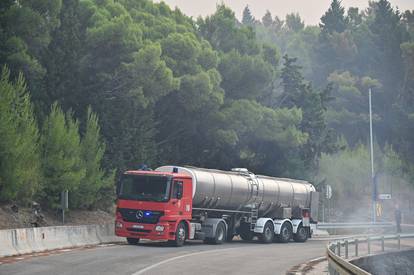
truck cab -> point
(153, 205)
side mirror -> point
(178, 186)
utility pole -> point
(374, 195)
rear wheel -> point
(220, 235)
(245, 233)
(133, 241)
(180, 235)
(285, 233)
(268, 233)
(301, 234)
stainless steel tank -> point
(216, 189)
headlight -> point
(159, 228)
(118, 224)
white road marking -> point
(142, 271)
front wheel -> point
(180, 235)
(133, 241)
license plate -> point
(137, 226)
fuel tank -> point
(239, 189)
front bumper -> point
(142, 231)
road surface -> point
(195, 257)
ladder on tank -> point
(255, 207)
(254, 216)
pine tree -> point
(93, 185)
(267, 19)
(298, 93)
(334, 19)
(19, 141)
(62, 162)
(247, 19)
(294, 22)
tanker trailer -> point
(178, 203)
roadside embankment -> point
(29, 240)
(399, 262)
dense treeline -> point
(272, 95)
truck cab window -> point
(177, 190)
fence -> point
(338, 252)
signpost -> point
(64, 203)
(374, 191)
(384, 196)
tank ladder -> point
(254, 216)
(255, 208)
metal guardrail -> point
(345, 225)
(338, 259)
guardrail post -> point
(346, 249)
(356, 247)
(369, 245)
(382, 244)
(338, 245)
(399, 241)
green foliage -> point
(245, 76)
(334, 19)
(207, 92)
(349, 174)
(294, 22)
(298, 93)
(267, 19)
(26, 28)
(225, 34)
(20, 174)
(95, 183)
(247, 18)
(62, 155)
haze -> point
(309, 10)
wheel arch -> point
(279, 223)
(296, 223)
(260, 223)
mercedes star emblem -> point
(140, 214)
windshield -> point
(144, 188)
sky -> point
(309, 10)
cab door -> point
(181, 199)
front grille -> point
(138, 230)
(130, 215)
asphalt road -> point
(194, 258)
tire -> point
(180, 235)
(230, 232)
(245, 233)
(285, 233)
(220, 235)
(301, 235)
(268, 233)
(133, 241)
(229, 237)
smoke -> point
(349, 175)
